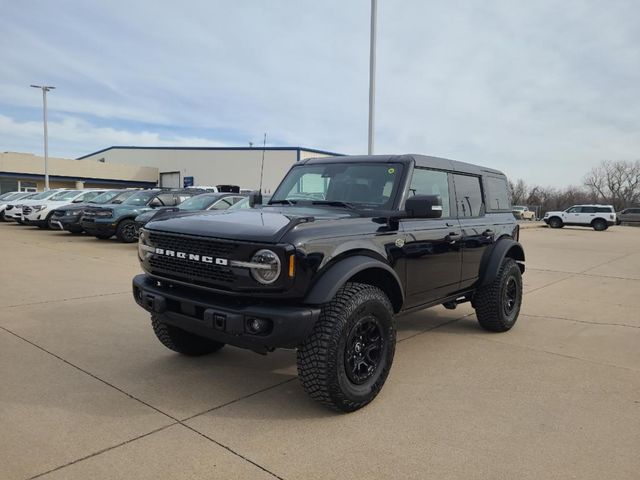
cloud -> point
(541, 90)
(71, 135)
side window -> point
(497, 194)
(603, 210)
(468, 195)
(574, 210)
(635, 210)
(222, 204)
(167, 199)
(431, 182)
(591, 210)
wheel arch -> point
(361, 269)
(490, 265)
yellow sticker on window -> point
(391, 171)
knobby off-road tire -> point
(345, 361)
(182, 341)
(555, 222)
(126, 231)
(498, 304)
(599, 225)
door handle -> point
(487, 233)
(453, 237)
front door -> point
(432, 245)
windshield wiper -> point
(284, 201)
(334, 203)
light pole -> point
(45, 89)
(372, 74)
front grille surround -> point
(207, 275)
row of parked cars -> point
(119, 212)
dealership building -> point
(25, 172)
(129, 166)
(207, 166)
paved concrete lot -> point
(86, 391)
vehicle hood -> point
(265, 225)
(146, 216)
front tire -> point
(555, 222)
(126, 231)
(498, 304)
(181, 341)
(345, 361)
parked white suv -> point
(600, 217)
(39, 213)
(13, 210)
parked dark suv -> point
(118, 219)
(344, 245)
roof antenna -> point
(264, 145)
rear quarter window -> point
(497, 194)
(604, 209)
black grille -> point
(59, 213)
(193, 271)
(211, 248)
(182, 269)
(26, 210)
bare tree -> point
(518, 192)
(617, 183)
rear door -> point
(477, 235)
(432, 245)
(634, 215)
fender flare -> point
(490, 264)
(326, 287)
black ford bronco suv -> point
(344, 245)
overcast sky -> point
(541, 90)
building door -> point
(170, 180)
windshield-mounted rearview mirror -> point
(424, 206)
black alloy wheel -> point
(364, 349)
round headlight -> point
(268, 269)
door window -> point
(468, 195)
(589, 210)
(574, 210)
(497, 194)
(167, 199)
(431, 182)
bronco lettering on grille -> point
(191, 256)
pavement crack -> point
(588, 322)
(107, 449)
(66, 299)
(230, 450)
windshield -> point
(199, 202)
(105, 197)
(65, 195)
(122, 196)
(43, 195)
(139, 198)
(517, 208)
(8, 195)
(363, 185)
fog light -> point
(257, 326)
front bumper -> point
(224, 320)
(99, 228)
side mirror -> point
(155, 203)
(255, 198)
(424, 206)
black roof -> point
(419, 160)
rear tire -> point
(345, 361)
(555, 222)
(181, 341)
(126, 231)
(498, 304)
(599, 225)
